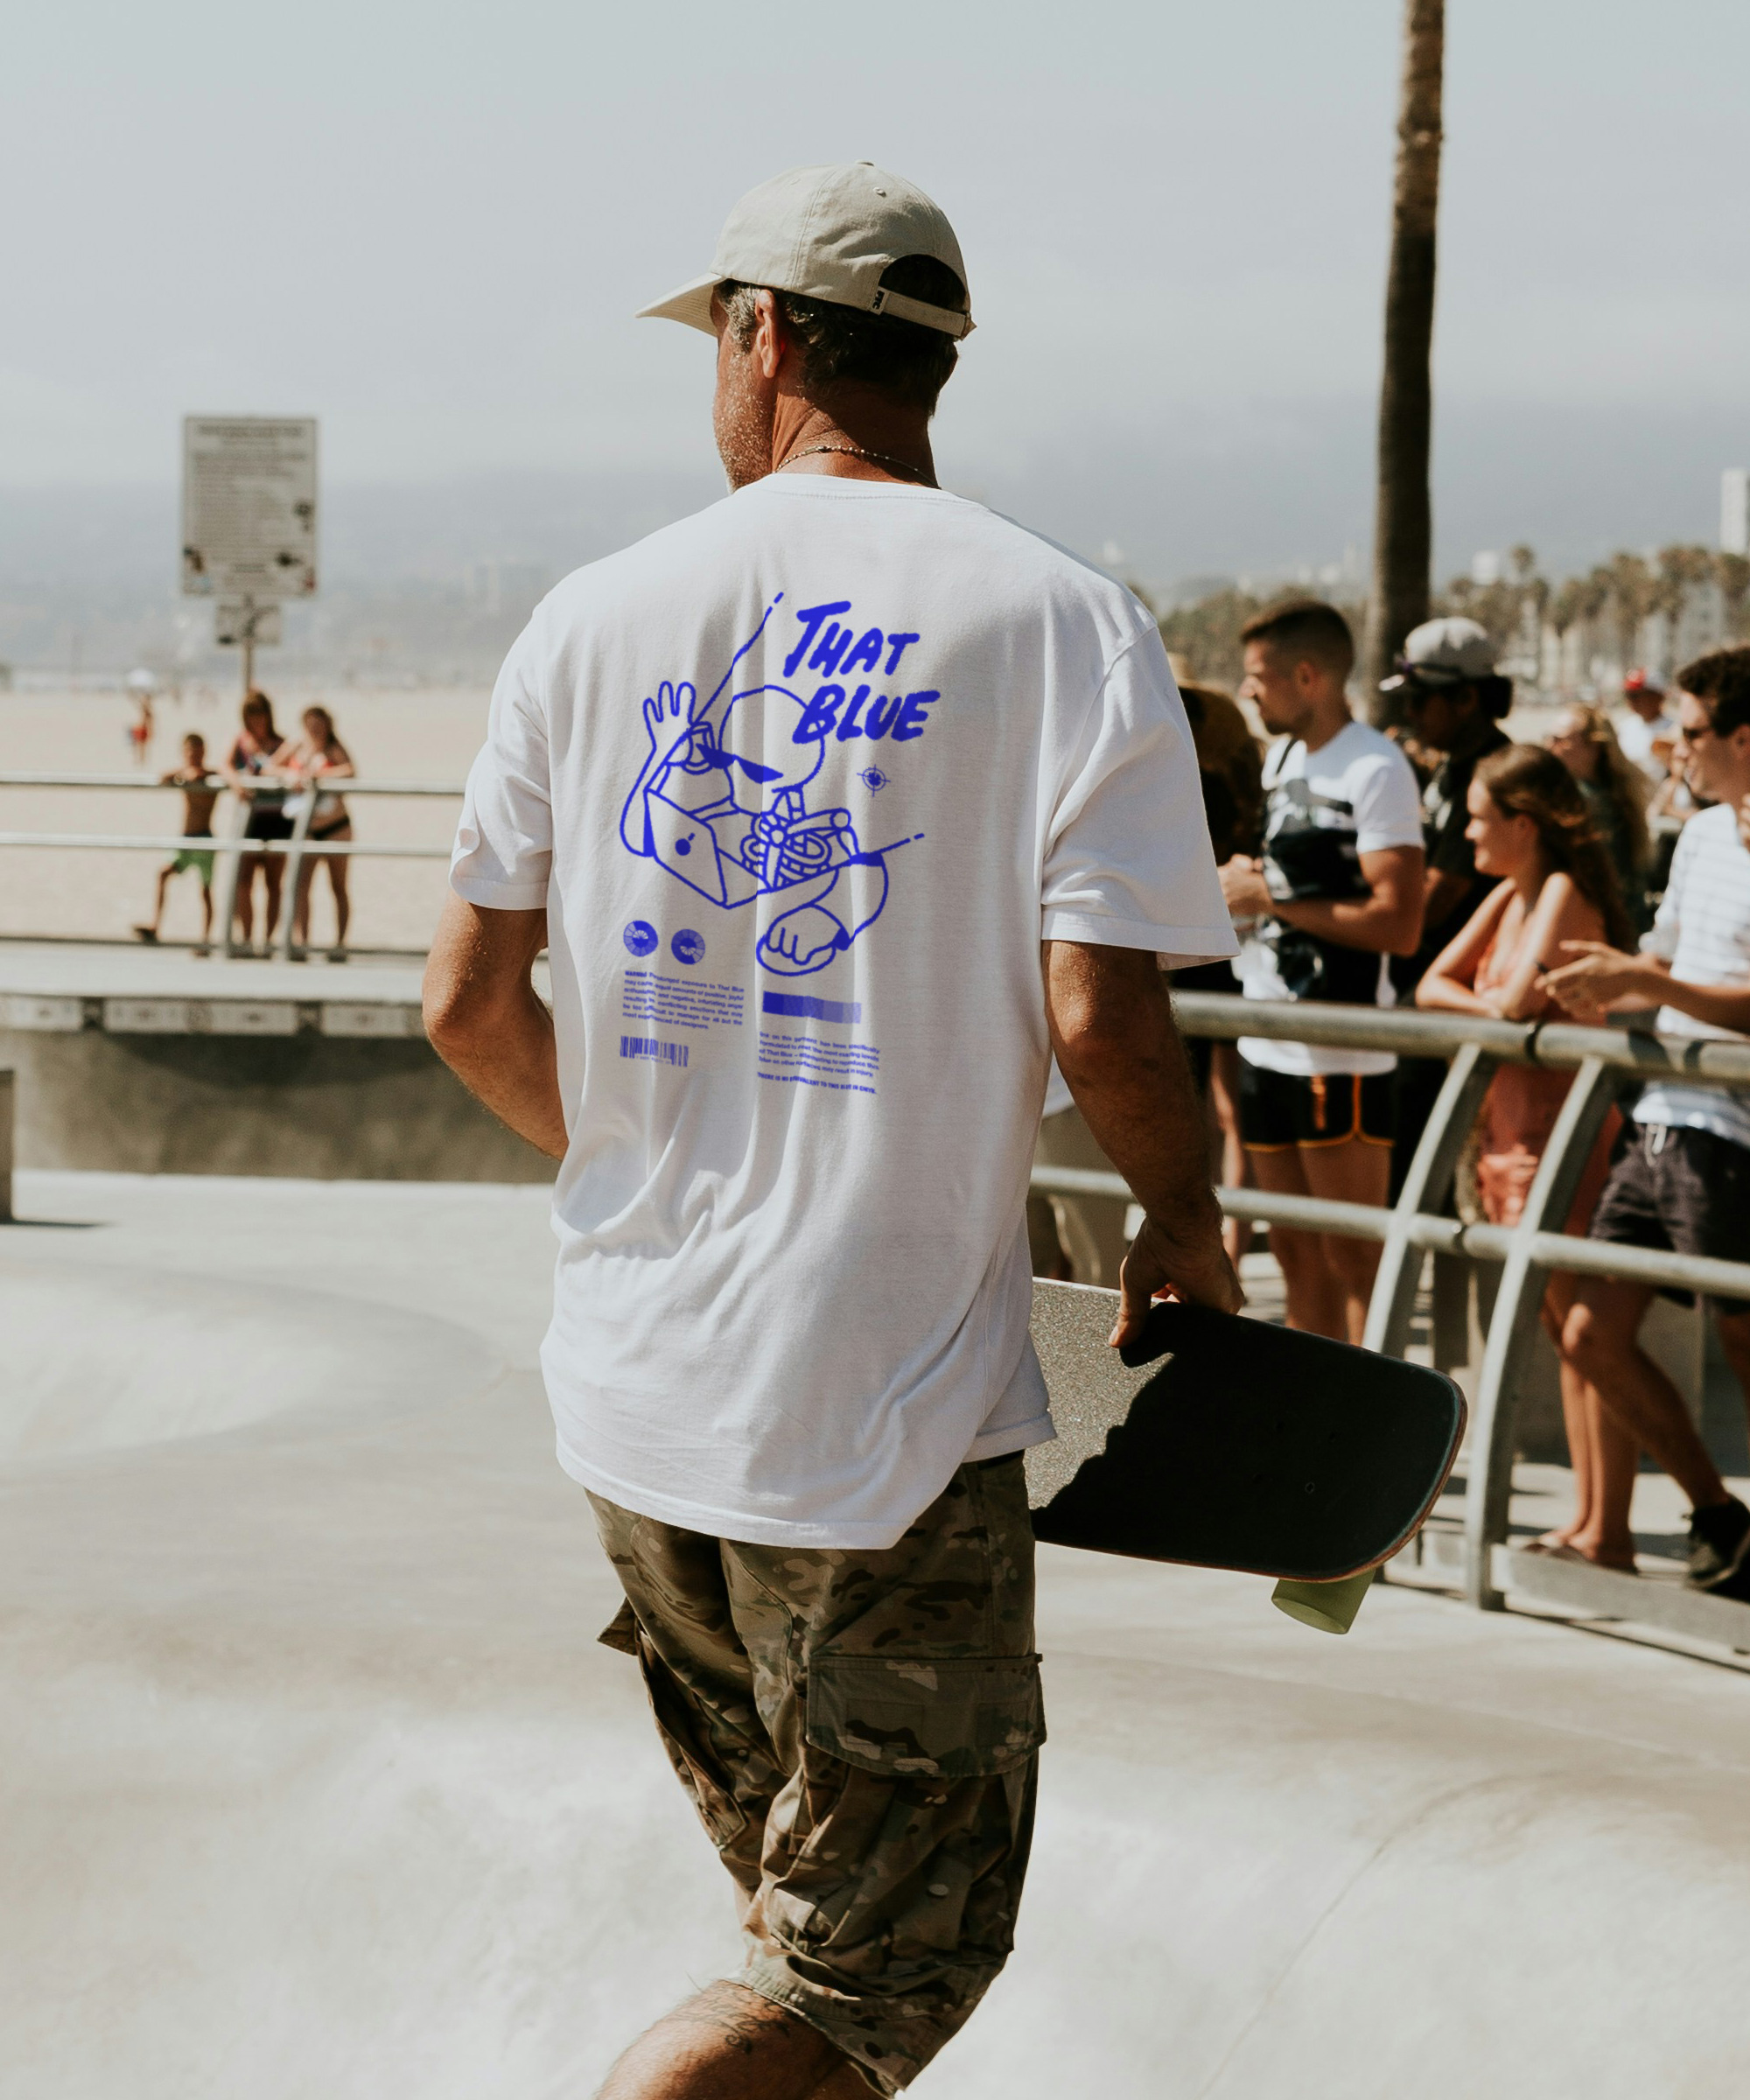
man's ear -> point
(770, 342)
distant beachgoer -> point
(1644, 730)
(197, 801)
(252, 770)
(1616, 794)
(320, 757)
(140, 729)
(1532, 833)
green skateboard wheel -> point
(1330, 1606)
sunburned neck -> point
(862, 438)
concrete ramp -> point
(101, 1357)
(313, 1780)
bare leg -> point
(1315, 1296)
(1599, 1338)
(246, 897)
(1355, 1172)
(206, 914)
(300, 904)
(1604, 1455)
(729, 2043)
(339, 871)
(273, 874)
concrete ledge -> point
(352, 1103)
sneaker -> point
(1720, 1542)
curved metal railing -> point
(1417, 1224)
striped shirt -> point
(1702, 929)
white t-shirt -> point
(802, 782)
(1323, 809)
(1702, 928)
(1634, 739)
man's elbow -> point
(1094, 1047)
(456, 1015)
(1406, 932)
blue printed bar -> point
(801, 1008)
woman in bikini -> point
(252, 771)
(318, 760)
(1531, 829)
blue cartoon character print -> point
(721, 804)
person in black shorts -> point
(253, 771)
(1336, 890)
(1683, 1182)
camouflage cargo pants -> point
(859, 1733)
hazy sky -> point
(430, 223)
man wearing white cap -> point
(838, 807)
(1453, 699)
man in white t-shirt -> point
(1337, 892)
(1684, 1181)
(839, 807)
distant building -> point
(1734, 511)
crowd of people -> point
(279, 778)
(1604, 870)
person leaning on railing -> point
(1686, 1182)
(1533, 838)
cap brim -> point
(689, 304)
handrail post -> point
(226, 906)
(1393, 1303)
(294, 863)
(1513, 1327)
(9, 1102)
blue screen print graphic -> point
(721, 804)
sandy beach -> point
(426, 736)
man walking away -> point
(1338, 890)
(838, 807)
(1684, 1182)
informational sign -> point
(233, 625)
(248, 507)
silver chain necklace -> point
(852, 451)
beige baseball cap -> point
(828, 233)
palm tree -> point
(1402, 539)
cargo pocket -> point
(907, 1717)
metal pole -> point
(247, 640)
(1489, 1479)
(1424, 1190)
(8, 1095)
(225, 907)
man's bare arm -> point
(1388, 919)
(1118, 1047)
(1604, 980)
(486, 1023)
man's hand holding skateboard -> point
(1117, 1047)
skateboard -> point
(1227, 1443)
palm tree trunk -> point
(1403, 540)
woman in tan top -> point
(1531, 830)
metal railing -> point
(1416, 1224)
(231, 847)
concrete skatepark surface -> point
(313, 1781)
